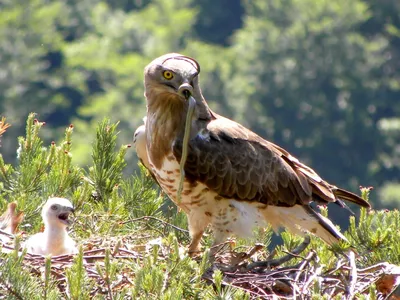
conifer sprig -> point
(3, 127)
(106, 172)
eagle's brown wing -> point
(237, 163)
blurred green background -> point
(320, 78)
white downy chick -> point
(54, 239)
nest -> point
(267, 279)
(270, 280)
(93, 255)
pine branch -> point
(106, 172)
(13, 292)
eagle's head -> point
(56, 212)
(173, 77)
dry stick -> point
(303, 264)
(279, 261)
(219, 248)
(129, 252)
(311, 278)
(185, 143)
(245, 278)
(353, 275)
(233, 266)
(373, 268)
(261, 292)
(339, 265)
(249, 254)
(156, 219)
(88, 252)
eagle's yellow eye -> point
(168, 75)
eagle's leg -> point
(197, 225)
(194, 247)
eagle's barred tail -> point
(351, 197)
(326, 230)
(299, 219)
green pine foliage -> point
(78, 284)
(135, 189)
(41, 171)
(17, 281)
(376, 235)
(106, 173)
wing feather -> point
(243, 169)
(237, 163)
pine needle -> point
(3, 125)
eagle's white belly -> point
(204, 206)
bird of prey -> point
(9, 221)
(54, 239)
(233, 178)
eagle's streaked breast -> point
(227, 217)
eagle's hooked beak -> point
(186, 90)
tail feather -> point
(351, 197)
(325, 230)
(302, 218)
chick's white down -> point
(54, 239)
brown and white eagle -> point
(234, 180)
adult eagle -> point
(233, 179)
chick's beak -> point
(64, 216)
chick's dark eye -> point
(53, 207)
(168, 75)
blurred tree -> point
(309, 81)
(28, 36)
(384, 22)
(389, 195)
(218, 20)
(107, 63)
